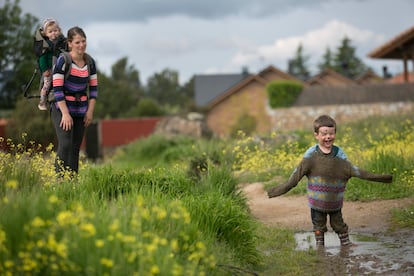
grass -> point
(171, 205)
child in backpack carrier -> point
(54, 37)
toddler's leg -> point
(43, 92)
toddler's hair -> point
(323, 121)
(49, 21)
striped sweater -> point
(327, 177)
(74, 88)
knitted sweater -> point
(327, 177)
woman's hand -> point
(87, 120)
(67, 122)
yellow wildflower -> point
(155, 270)
(99, 243)
(38, 222)
(12, 184)
(53, 199)
(107, 262)
(88, 228)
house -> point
(329, 77)
(369, 77)
(401, 78)
(246, 97)
(208, 87)
(400, 48)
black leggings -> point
(69, 142)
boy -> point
(52, 32)
(328, 170)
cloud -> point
(142, 10)
(314, 44)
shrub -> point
(246, 123)
(283, 93)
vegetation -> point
(172, 206)
(346, 62)
(246, 123)
(298, 65)
(283, 93)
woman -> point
(72, 110)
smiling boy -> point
(328, 170)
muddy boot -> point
(344, 238)
(320, 238)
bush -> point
(246, 123)
(283, 93)
(27, 119)
(146, 108)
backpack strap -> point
(68, 60)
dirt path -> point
(293, 211)
(372, 218)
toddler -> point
(52, 32)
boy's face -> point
(52, 31)
(326, 137)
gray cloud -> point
(140, 10)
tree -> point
(327, 60)
(346, 62)
(164, 87)
(187, 94)
(119, 93)
(17, 59)
(297, 66)
(124, 73)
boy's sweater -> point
(327, 177)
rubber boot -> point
(344, 238)
(320, 238)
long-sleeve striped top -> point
(327, 177)
(74, 90)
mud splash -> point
(377, 254)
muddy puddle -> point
(371, 254)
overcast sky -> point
(223, 36)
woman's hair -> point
(75, 31)
(323, 121)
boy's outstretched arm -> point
(279, 190)
(294, 179)
(363, 174)
(385, 178)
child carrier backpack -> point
(41, 44)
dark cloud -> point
(83, 11)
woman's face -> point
(78, 44)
